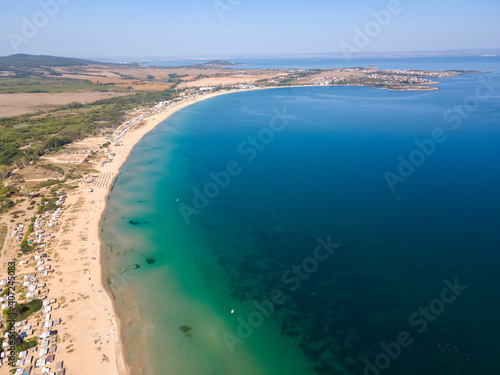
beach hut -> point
(52, 349)
(50, 358)
(59, 365)
(61, 372)
(40, 362)
(43, 352)
(27, 370)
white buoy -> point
(232, 311)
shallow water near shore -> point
(316, 173)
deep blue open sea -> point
(318, 230)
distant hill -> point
(37, 61)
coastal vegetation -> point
(3, 233)
(31, 226)
(21, 311)
(24, 246)
(6, 193)
(22, 345)
(47, 204)
(23, 139)
(44, 84)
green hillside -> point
(37, 61)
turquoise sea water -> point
(179, 263)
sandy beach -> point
(89, 335)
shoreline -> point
(143, 128)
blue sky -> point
(195, 28)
